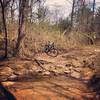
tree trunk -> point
(5, 29)
(72, 14)
(21, 28)
(93, 8)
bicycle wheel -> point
(53, 53)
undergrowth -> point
(38, 34)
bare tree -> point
(12, 9)
(94, 7)
(41, 10)
(93, 14)
(72, 14)
(21, 28)
(4, 4)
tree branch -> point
(6, 3)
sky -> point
(64, 6)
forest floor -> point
(64, 77)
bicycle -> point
(50, 49)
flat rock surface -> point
(55, 88)
(50, 78)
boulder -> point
(12, 77)
(76, 63)
(76, 75)
(46, 73)
(5, 73)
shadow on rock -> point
(5, 94)
(94, 83)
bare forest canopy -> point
(19, 19)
